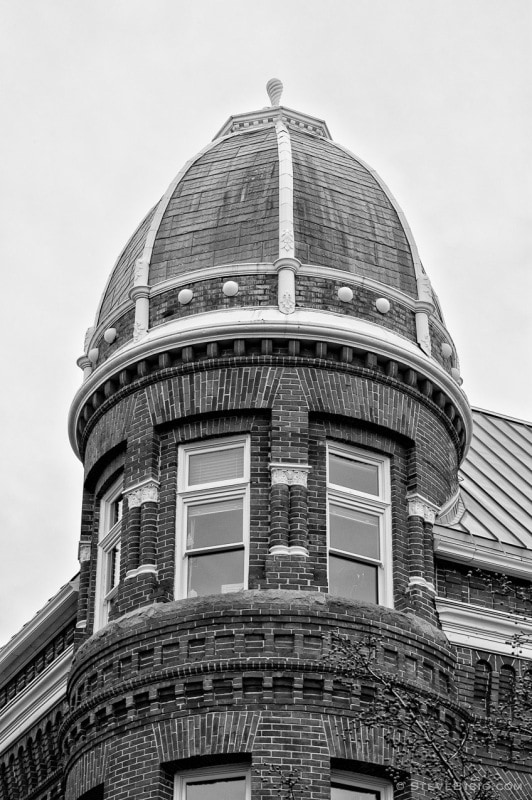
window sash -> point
(359, 787)
(358, 533)
(109, 543)
(213, 776)
(212, 520)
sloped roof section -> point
(496, 487)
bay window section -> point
(213, 517)
(109, 551)
(358, 511)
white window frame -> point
(182, 779)
(353, 781)
(209, 492)
(109, 537)
(379, 506)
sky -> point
(102, 103)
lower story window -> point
(347, 786)
(216, 783)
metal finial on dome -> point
(274, 87)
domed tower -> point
(270, 416)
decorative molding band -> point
(465, 548)
(31, 704)
(265, 323)
(143, 569)
(418, 580)
(419, 506)
(147, 492)
(483, 628)
(284, 550)
(289, 474)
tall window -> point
(216, 783)
(213, 517)
(347, 786)
(108, 567)
(358, 499)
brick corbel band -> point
(289, 529)
(142, 501)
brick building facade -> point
(272, 426)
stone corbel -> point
(289, 474)
(419, 506)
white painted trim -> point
(418, 580)
(482, 553)
(144, 568)
(351, 779)
(268, 116)
(286, 550)
(108, 537)
(482, 628)
(38, 631)
(268, 322)
(37, 698)
(286, 192)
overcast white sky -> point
(104, 100)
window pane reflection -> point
(352, 793)
(211, 524)
(215, 573)
(354, 475)
(354, 531)
(352, 579)
(220, 789)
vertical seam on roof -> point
(286, 191)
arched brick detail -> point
(204, 734)
(88, 771)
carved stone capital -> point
(147, 492)
(419, 506)
(290, 474)
(84, 552)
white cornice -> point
(482, 553)
(267, 322)
(250, 120)
(482, 628)
(39, 630)
(36, 699)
